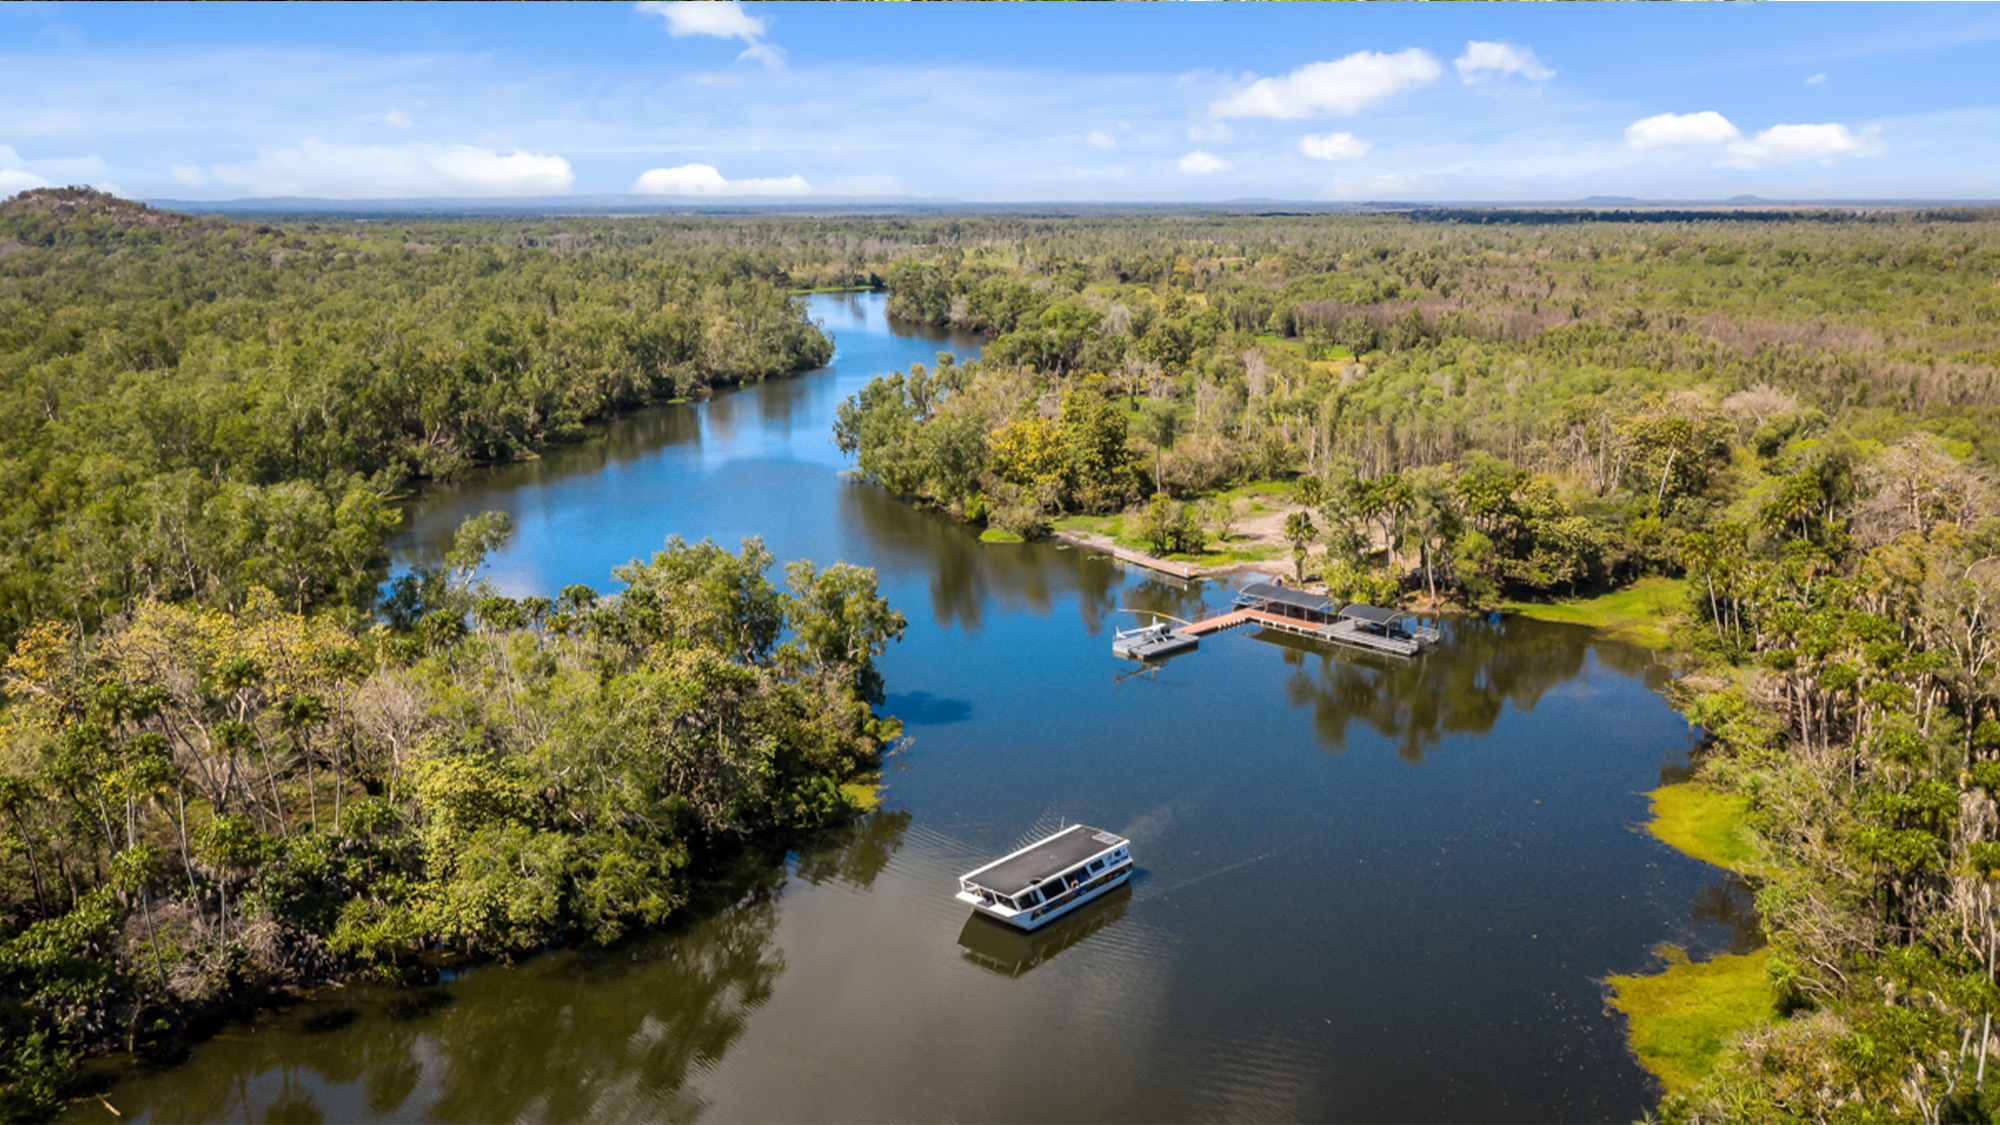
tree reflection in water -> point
(1731, 903)
(1459, 688)
(968, 577)
(546, 1039)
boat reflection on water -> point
(1000, 948)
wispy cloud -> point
(1100, 139)
(1199, 163)
(1334, 146)
(1485, 61)
(706, 179)
(18, 173)
(1343, 87)
(334, 170)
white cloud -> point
(1334, 146)
(187, 175)
(1680, 130)
(704, 179)
(18, 173)
(1098, 138)
(1210, 131)
(15, 180)
(347, 171)
(1344, 86)
(1483, 61)
(723, 19)
(1371, 187)
(1816, 79)
(397, 119)
(1199, 163)
(1795, 144)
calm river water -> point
(1368, 891)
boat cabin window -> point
(1031, 898)
(1007, 902)
(1096, 865)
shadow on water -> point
(922, 709)
(615, 1032)
(1000, 948)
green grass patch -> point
(995, 535)
(1231, 555)
(1680, 1019)
(867, 795)
(1641, 613)
(1709, 825)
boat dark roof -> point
(1044, 859)
(1264, 591)
(1374, 615)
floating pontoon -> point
(1048, 878)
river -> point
(1367, 890)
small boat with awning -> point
(1152, 642)
(1050, 877)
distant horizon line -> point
(630, 201)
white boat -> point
(1151, 642)
(1049, 878)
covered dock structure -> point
(1321, 618)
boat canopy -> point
(1265, 592)
(1043, 860)
(1373, 615)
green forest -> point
(229, 768)
(1790, 415)
(231, 764)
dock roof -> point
(1043, 859)
(1374, 615)
(1264, 591)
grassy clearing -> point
(995, 535)
(1230, 552)
(1641, 613)
(1681, 1018)
(1706, 824)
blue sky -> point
(1005, 102)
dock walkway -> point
(1341, 632)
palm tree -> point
(1300, 530)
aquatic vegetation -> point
(1684, 1016)
(1710, 825)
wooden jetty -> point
(1320, 618)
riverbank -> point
(1642, 613)
(1681, 1018)
(1186, 570)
